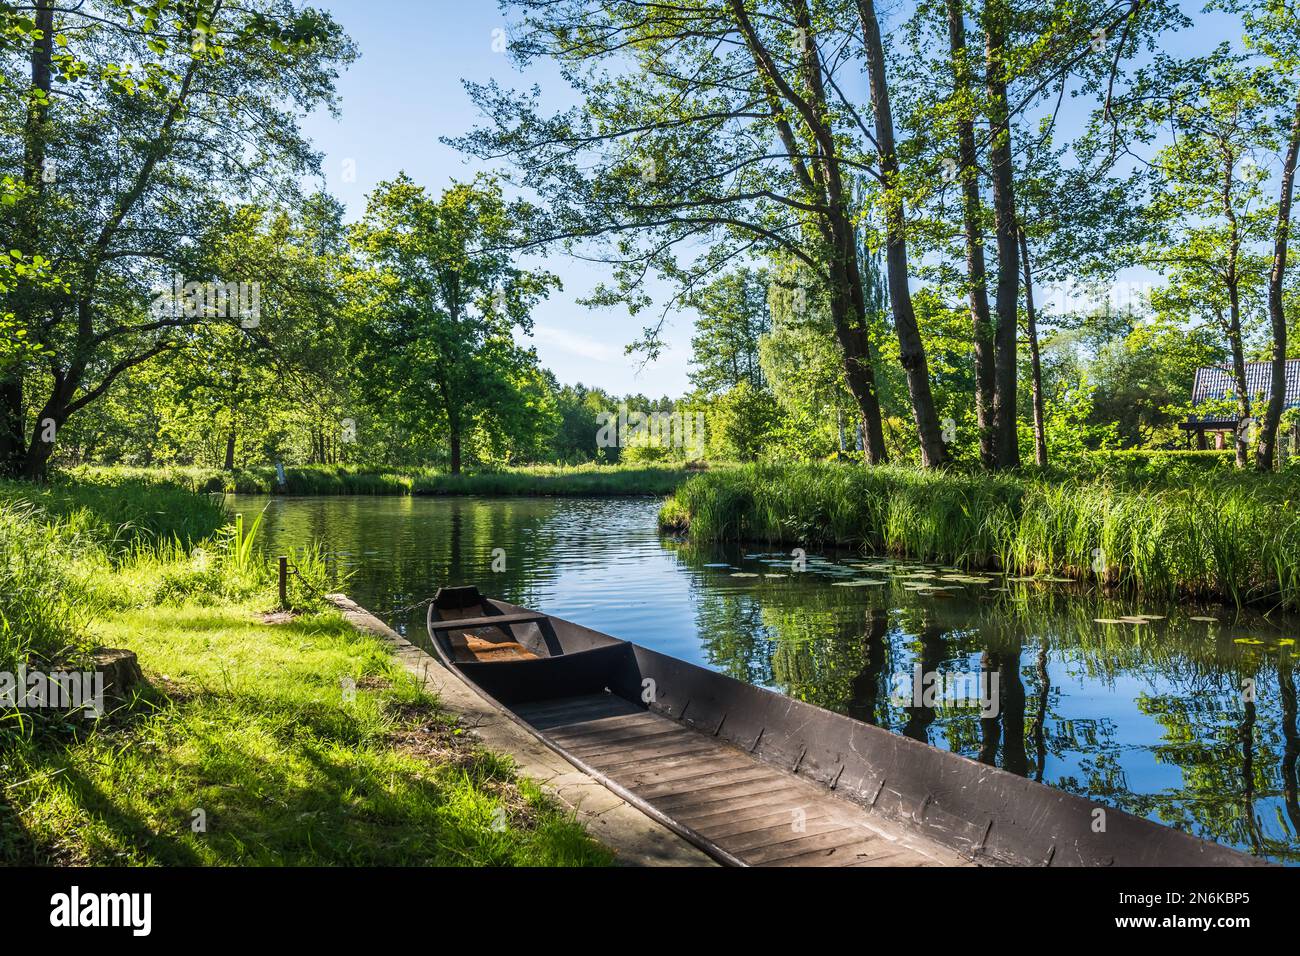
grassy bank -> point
(1229, 537)
(255, 739)
(557, 480)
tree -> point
(1208, 216)
(733, 316)
(1074, 224)
(437, 308)
(134, 118)
(1273, 30)
(800, 359)
(911, 348)
(725, 131)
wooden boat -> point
(755, 778)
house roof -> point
(1216, 382)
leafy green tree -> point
(1208, 216)
(1144, 378)
(437, 307)
(1273, 31)
(726, 133)
(733, 316)
(118, 122)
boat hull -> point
(621, 706)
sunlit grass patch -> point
(299, 743)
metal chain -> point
(393, 613)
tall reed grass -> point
(1236, 540)
(119, 510)
(47, 597)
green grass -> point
(119, 509)
(566, 480)
(47, 594)
(249, 721)
(251, 724)
(1232, 537)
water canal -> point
(1154, 716)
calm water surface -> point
(1148, 717)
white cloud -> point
(576, 343)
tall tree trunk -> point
(14, 449)
(1006, 434)
(1035, 366)
(1233, 283)
(1239, 443)
(37, 458)
(49, 420)
(859, 368)
(976, 270)
(1266, 450)
(822, 179)
(455, 450)
(910, 348)
(230, 447)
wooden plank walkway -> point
(761, 814)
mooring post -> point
(284, 581)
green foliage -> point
(733, 317)
(742, 422)
(122, 175)
(47, 604)
(178, 485)
(1071, 427)
(1167, 533)
(436, 312)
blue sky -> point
(401, 96)
(405, 92)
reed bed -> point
(1235, 539)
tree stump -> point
(121, 671)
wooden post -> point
(284, 582)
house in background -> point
(1215, 383)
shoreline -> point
(634, 838)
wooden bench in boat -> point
(487, 620)
(470, 647)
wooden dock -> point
(758, 813)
